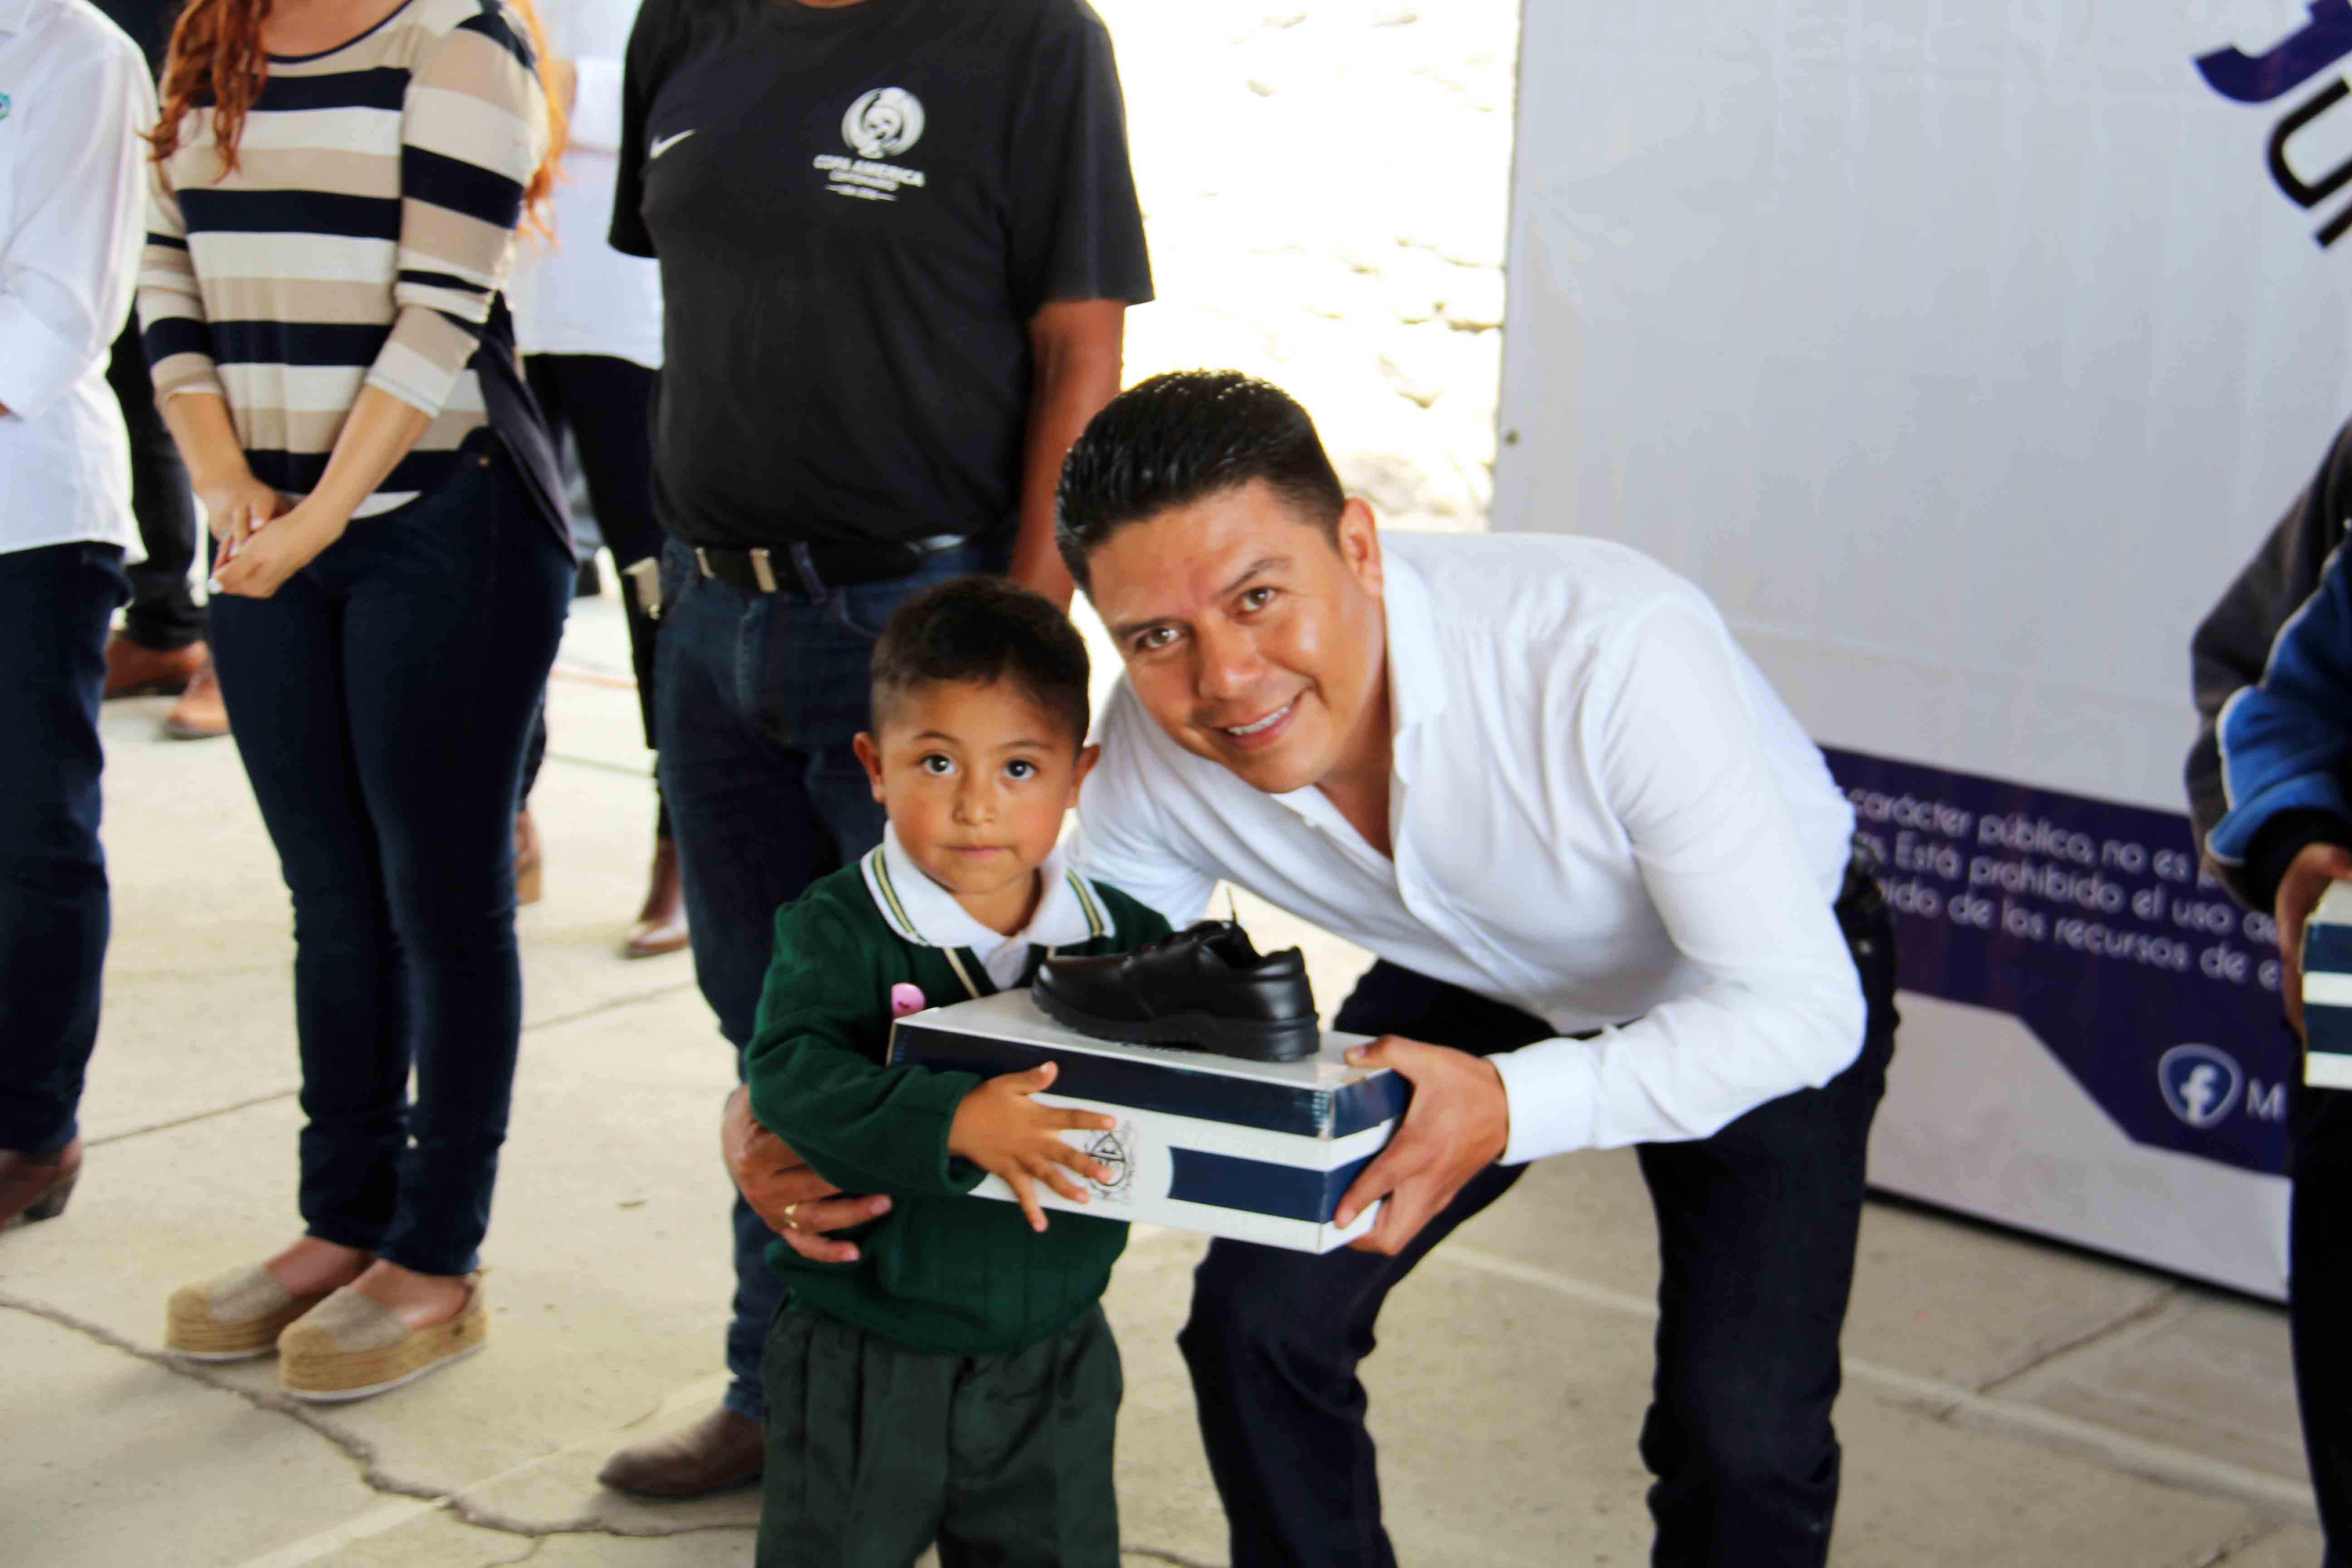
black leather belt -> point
(812, 568)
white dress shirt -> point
(1601, 815)
(578, 295)
(74, 95)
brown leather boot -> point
(200, 714)
(661, 924)
(529, 861)
(132, 670)
(720, 1451)
(35, 1186)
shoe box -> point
(2327, 991)
(1256, 1151)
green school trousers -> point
(875, 1450)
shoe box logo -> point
(1120, 1151)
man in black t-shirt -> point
(897, 241)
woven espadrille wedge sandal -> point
(352, 1345)
(233, 1316)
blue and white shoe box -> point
(2327, 991)
(1256, 1151)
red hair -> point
(216, 50)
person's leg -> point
(55, 603)
(281, 660)
(608, 403)
(1275, 1337)
(857, 1447)
(457, 604)
(164, 616)
(1756, 1228)
(2319, 1287)
(1030, 1445)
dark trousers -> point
(875, 1450)
(381, 698)
(606, 403)
(760, 696)
(1756, 1228)
(55, 603)
(2319, 1290)
(163, 614)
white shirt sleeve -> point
(1780, 1006)
(69, 264)
(1124, 838)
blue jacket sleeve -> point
(2285, 740)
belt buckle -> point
(761, 572)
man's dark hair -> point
(1176, 438)
(984, 629)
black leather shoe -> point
(1205, 986)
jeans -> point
(54, 602)
(759, 695)
(163, 612)
(2319, 1285)
(1756, 1227)
(381, 697)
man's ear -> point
(1359, 538)
(870, 753)
(1088, 757)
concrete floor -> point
(2007, 1403)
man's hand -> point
(1003, 1131)
(2311, 873)
(798, 1205)
(1458, 1124)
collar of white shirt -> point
(16, 16)
(921, 911)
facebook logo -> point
(2200, 1083)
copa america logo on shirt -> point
(883, 123)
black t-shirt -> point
(857, 211)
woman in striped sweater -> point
(335, 193)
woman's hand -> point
(259, 565)
(235, 507)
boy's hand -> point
(1003, 1131)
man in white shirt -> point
(74, 96)
(1610, 884)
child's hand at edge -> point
(1003, 1131)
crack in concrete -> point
(2155, 1307)
(2229, 1549)
(359, 1450)
(614, 1005)
(194, 1116)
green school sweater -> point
(941, 1272)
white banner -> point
(1964, 354)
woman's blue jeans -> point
(381, 699)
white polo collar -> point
(921, 911)
(16, 16)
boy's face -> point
(976, 779)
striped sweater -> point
(360, 240)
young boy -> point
(957, 1380)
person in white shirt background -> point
(1612, 892)
(588, 319)
(74, 97)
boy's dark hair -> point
(983, 629)
(1171, 440)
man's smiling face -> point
(1250, 633)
